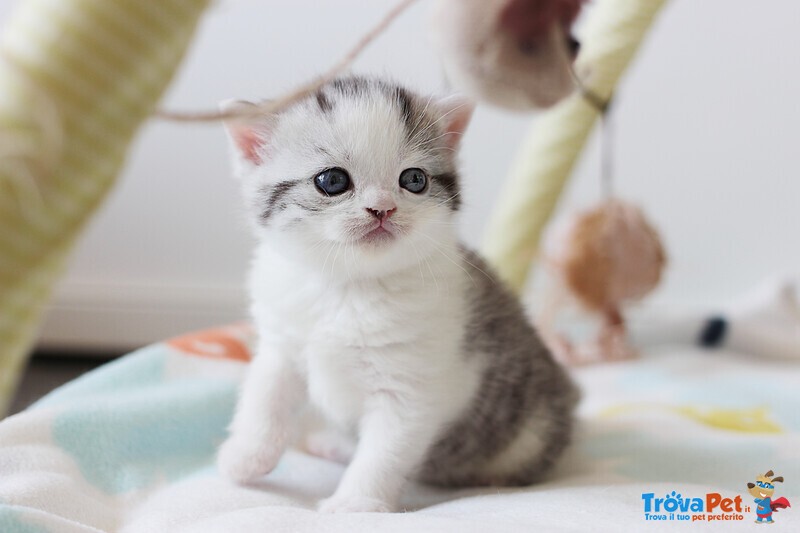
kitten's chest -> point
(355, 339)
(353, 314)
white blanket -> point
(130, 447)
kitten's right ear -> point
(456, 111)
(249, 134)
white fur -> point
(370, 335)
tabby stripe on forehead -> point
(352, 86)
(277, 192)
(449, 183)
(323, 102)
(406, 109)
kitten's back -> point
(520, 420)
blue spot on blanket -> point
(10, 522)
(127, 427)
(157, 433)
(142, 367)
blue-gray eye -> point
(332, 181)
(414, 180)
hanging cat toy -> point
(520, 54)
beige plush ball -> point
(511, 53)
(609, 255)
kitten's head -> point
(362, 175)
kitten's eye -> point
(332, 181)
(413, 180)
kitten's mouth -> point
(377, 235)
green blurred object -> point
(77, 79)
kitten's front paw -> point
(353, 504)
(244, 460)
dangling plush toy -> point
(604, 258)
(518, 54)
(512, 53)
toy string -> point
(607, 153)
(305, 90)
(603, 107)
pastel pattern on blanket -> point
(125, 439)
(9, 522)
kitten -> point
(368, 307)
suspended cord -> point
(603, 107)
(303, 91)
(607, 153)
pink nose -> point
(381, 215)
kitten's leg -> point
(393, 443)
(261, 427)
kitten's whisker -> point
(467, 261)
(428, 141)
(419, 262)
(335, 257)
(438, 222)
(325, 264)
(444, 115)
(463, 258)
(437, 245)
(445, 201)
(316, 245)
(406, 232)
(420, 117)
(424, 143)
(435, 280)
(425, 216)
(352, 246)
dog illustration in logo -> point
(762, 490)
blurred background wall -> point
(707, 140)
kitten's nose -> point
(381, 215)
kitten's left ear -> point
(456, 112)
(249, 134)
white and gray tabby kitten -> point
(369, 308)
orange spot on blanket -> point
(228, 342)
